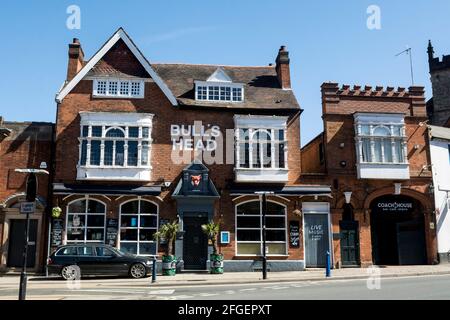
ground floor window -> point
(86, 221)
(249, 222)
(138, 224)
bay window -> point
(114, 146)
(261, 148)
(249, 228)
(381, 146)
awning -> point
(62, 188)
(282, 190)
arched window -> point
(114, 148)
(249, 228)
(86, 221)
(138, 224)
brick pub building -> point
(374, 153)
(141, 144)
(23, 145)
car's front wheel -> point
(137, 271)
(70, 272)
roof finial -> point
(430, 51)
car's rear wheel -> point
(69, 272)
(137, 271)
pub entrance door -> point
(195, 243)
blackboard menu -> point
(294, 234)
(57, 229)
(111, 231)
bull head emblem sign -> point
(195, 180)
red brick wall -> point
(155, 102)
(339, 105)
(28, 145)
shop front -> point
(398, 231)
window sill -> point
(383, 171)
(261, 175)
(114, 173)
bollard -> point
(154, 270)
(328, 265)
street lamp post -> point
(31, 192)
(264, 245)
(264, 209)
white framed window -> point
(138, 224)
(381, 142)
(249, 231)
(118, 88)
(85, 221)
(219, 92)
(381, 146)
(261, 142)
(115, 146)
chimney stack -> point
(76, 59)
(282, 67)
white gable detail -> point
(219, 76)
(120, 34)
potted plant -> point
(168, 232)
(211, 230)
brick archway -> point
(427, 209)
(424, 200)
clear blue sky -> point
(327, 40)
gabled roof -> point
(219, 76)
(120, 34)
(262, 89)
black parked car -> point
(96, 259)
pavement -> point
(204, 278)
(418, 282)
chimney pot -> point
(76, 59)
(282, 68)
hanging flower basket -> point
(56, 212)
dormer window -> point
(219, 87)
(118, 88)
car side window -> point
(104, 252)
(85, 251)
(68, 251)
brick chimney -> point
(282, 67)
(76, 59)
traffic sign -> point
(27, 207)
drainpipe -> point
(50, 196)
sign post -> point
(27, 208)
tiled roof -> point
(261, 87)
